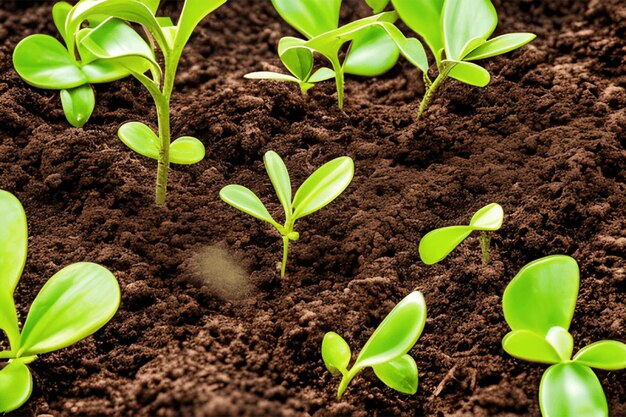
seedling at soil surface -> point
(171, 40)
(44, 62)
(539, 305)
(76, 302)
(456, 32)
(322, 187)
(375, 44)
(437, 244)
(385, 351)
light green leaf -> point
(489, 218)
(60, 11)
(424, 18)
(323, 186)
(500, 45)
(105, 71)
(469, 73)
(542, 295)
(438, 243)
(571, 389)
(397, 333)
(153, 5)
(309, 17)
(399, 374)
(186, 151)
(141, 139)
(322, 74)
(76, 302)
(530, 346)
(562, 341)
(43, 62)
(609, 355)
(165, 21)
(297, 59)
(335, 353)
(193, 12)
(372, 53)
(245, 200)
(464, 21)
(16, 385)
(277, 171)
(78, 104)
(268, 75)
(377, 5)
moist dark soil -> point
(206, 327)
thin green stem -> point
(430, 91)
(485, 242)
(165, 135)
(283, 266)
(345, 381)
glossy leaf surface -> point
(530, 346)
(399, 374)
(377, 5)
(193, 12)
(335, 353)
(60, 11)
(186, 150)
(609, 355)
(78, 104)
(372, 53)
(489, 218)
(470, 73)
(277, 171)
(424, 18)
(322, 74)
(245, 200)
(298, 60)
(309, 17)
(500, 45)
(141, 139)
(268, 75)
(463, 22)
(16, 385)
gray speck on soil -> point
(220, 271)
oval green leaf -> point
(438, 243)
(322, 74)
(399, 374)
(500, 45)
(268, 75)
(464, 21)
(323, 186)
(245, 200)
(309, 17)
(609, 355)
(542, 295)
(78, 104)
(60, 11)
(76, 302)
(571, 389)
(529, 346)
(277, 171)
(298, 60)
(16, 385)
(489, 217)
(186, 150)
(469, 73)
(141, 139)
(424, 18)
(335, 353)
(372, 53)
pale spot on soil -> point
(221, 272)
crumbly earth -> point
(206, 327)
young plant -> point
(44, 62)
(457, 32)
(539, 305)
(171, 40)
(385, 351)
(322, 187)
(437, 244)
(76, 302)
(374, 44)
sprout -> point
(539, 305)
(322, 187)
(385, 351)
(437, 244)
(76, 302)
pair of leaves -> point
(73, 304)
(140, 138)
(438, 243)
(385, 351)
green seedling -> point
(171, 40)
(438, 244)
(539, 305)
(44, 62)
(322, 187)
(385, 351)
(457, 33)
(76, 302)
(374, 45)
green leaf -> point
(268, 75)
(297, 59)
(78, 104)
(277, 171)
(165, 21)
(571, 389)
(335, 353)
(562, 341)
(609, 355)
(16, 385)
(488, 218)
(43, 62)
(399, 374)
(193, 12)
(309, 17)
(245, 200)
(76, 302)
(438, 243)
(323, 186)
(464, 21)
(60, 11)
(530, 346)
(500, 45)
(322, 74)
(141, 139)
(186, 151)
(372, 53)
(469, 73)
(542, 295)
(104, 71)
(397, 333)
(424, 18)
(377, 5)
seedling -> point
(539, 305)
(385, 351)
(457, 32)
(437, 244)
(76, 302)
(171, 40)
(374, 44)
(322, 187)
(46, 63)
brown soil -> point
(207, 329)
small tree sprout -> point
(437, 244)
(385, 351)
(76, 302)
(322, 187)
(539, 305)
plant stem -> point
(430, 91)
(285, 253)
(485, 242)
(345, 381)
(165, 135)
